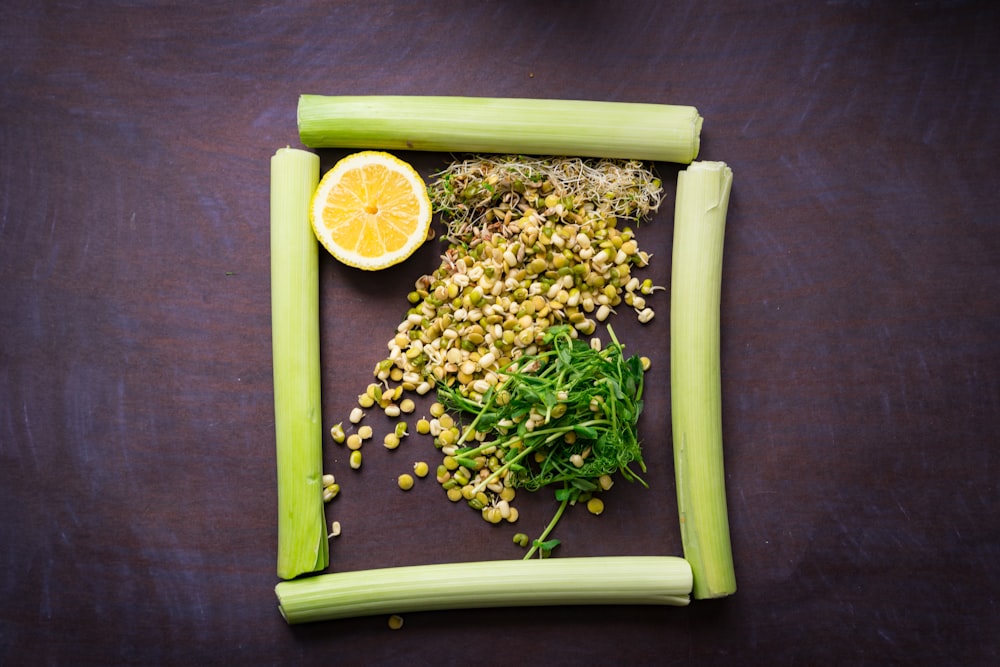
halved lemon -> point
(371, 210)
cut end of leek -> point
(628, 130)
(636, 580)
(702, 204)
(302, 540)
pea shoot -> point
(564, 417)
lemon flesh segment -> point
(371, 210)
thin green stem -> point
(549, 528)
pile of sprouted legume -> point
(535, 259)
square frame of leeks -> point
(305, 596)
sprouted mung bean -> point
(532, 243)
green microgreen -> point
(566, 415)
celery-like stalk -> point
(640, 580)
(584, 128)
(695, 376)
(302, 539)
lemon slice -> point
(371, 210)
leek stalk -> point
(302, 539)
(639, 580)
(695, 375)
(640, 131)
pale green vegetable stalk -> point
(695, 376)
(639, 580)
(585, 128)
(302, 539)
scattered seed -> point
(337, 433)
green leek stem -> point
(695, 375)
(585, 128)
(302, 537)
(639, 580)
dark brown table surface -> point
(861, 329)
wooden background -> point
(861, 329)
